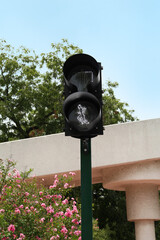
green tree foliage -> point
(110, 209)
(101, 234)
(31, 90)
(114, 110)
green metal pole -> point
(86, 190)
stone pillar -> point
(145, 230)
(140, 181)
(143, 209)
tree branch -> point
(2, 99)
(18, 126)
(42, 122)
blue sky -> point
(124, 35)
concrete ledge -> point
(119, 177)
(121, 144)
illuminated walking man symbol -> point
(82, 115)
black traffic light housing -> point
(83, 97)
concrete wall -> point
(120, 144)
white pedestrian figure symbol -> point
(82, 115)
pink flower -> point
(75, 209)
(26, 194)
(22, 236)
(40, 193)
(17, 174)
(75, 221)
(54, 237)
(77, 232)
(42, 220)
(72, 173)
(11, 228)
(27, 210)
(73, 227)
(56, 215)
(43, 205)
(68, 213)
(38, 238)
(17, 211)
(32, 208)
(54, 184)
(48, 196)
(2, 210)
(65, 201)
(64, 230)
(50, 209)
(61, 213)
(66, 185)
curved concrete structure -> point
(121, 144)
(125, 158)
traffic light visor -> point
(81, 70)
(81, 80)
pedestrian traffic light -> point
(83, 97)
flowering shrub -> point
(29, 211)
